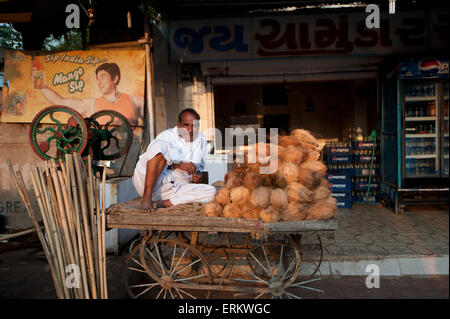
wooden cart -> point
(183, 254)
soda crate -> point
(365, 158)
(342, 196)
(347, 204)
(363, 145)
(342, 171)
(371, 199)
(338, 150)
(366, 172)
(340, 186)
(338, 177)
(363, 186)
(340, 159)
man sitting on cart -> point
(170, 171)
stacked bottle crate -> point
(362, 156)
(339, 160)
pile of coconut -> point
(298, 190)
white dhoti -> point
(175, 185)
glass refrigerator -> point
(415, 132)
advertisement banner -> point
(87, 81)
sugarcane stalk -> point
(103, 230)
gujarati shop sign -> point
(290, 36)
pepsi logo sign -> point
(429, 67)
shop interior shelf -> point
(421, 156)
(421, 118)
(419, 98)
(420, 135)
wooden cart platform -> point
(184, 254)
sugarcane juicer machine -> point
(59, 130)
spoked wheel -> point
(137, 281)
(273, 266)
(311, 250)
(180, 270)
(56, 131)
(110, 134)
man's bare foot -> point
(163, 203)
(148, 206)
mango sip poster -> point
(87, 81)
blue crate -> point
(340, 159)
(364, 158)
(341, 196)
(338, 178)
(340, 186)
(363, 145)
(363, 186)
(347, 204)
(366, 171)
(342, 171)
(338, 150)
(372, 199)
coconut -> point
(325, 183)
(266, 180)
(287, 140)
(309, 177)
(212, 209)
(313, 156)
(260, 197)
(289, 172)
(233, 180)
(279, 181)
(252, 180)
(293, 155)
(251, 212)
(232, 211)
(322, 209)
(219, 184)
(269, 215)
(293, 212)
(223, 196)
(321, 193)
(239, 195)
(305, 138)
(279, 199)
(316, 166)
(297, 192)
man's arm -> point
(81, 106)
(155, 167)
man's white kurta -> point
(175, 185)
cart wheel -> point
(179, 269)
(137, 282)
(275, 266)
(311, 250)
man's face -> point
(188, 127)
(106, 84)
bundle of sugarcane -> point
(297, 189)
(73, 216)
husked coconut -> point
(297, 192)
(289, 172)
(286, 140)
(293, 212)
(309, 177)
(305, 138)
(321, 193)
(223, 196)
(269, 215)
(325, 183)
(293, 155)
(252, 180)
(279, 199)
(239, 195)
(312, 156)
(219, 184)
(260, 197)
(322, 209)
(232, 211)
(316, 166)
(212, 209)
(251, 212)
(266, 180)
(233, 180)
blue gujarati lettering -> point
(193, 41)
